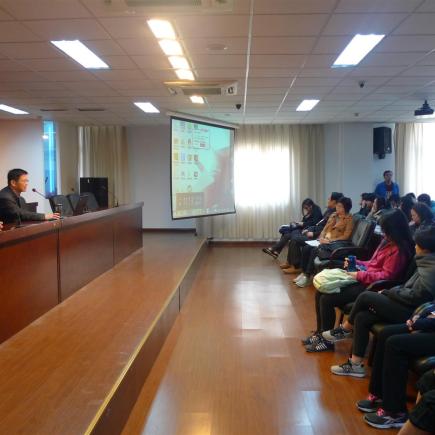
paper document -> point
(314, 243)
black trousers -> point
(423, 415)
(285, 238)
(326, 303)
(395, 348)
(308, 254)
(371, 308)
(295, 246)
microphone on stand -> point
(39, 193)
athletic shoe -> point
(385, 420)
(298, 277)
(270, 252)
(336, 334)
(349, 369)
(303, 282)
(371, 404)
(320, 346)
(311, 339)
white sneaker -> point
(301, 275)
(303, 282)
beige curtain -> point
(103, 152)
(415, 154)
(276, 167)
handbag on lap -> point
(332, 280)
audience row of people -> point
(407, 244)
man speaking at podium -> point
(13, 206)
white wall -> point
(21, 146)
(350, 165)
(68, 157)
(149, 157)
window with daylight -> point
(50, 158)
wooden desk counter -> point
(43, 263)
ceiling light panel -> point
(147, 107)
(307, 105)
(170, 47)
(357, 50)
(185, 74)
(13, 110)
(179, 62)
(81, 54)
(162, 29)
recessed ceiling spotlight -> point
(424, 111)
(217, 47)
(13, 110)
(357, 49)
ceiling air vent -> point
(53, 110)
(170, 6)
(205, 89)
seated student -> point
(13, 205)
(310, 233)
(406, 204)
(396, 347)
(393, 201)
(388, 306)
(388, 262)
(422, 217)
(426, 199)
(338, 228)
(422, 416)
(366, 204)
(378, 209)
(387, 187)
(311, 215)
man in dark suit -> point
(13, 206)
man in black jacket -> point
(13, 206)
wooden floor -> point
(233, 363)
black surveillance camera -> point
(238, 106)
(361, 83)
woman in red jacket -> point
(388, 262)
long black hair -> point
(396, 228)
(307, 202)
(406, 204)
(381, 203)
(424, 212)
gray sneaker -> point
(336, 334)
(349, 369)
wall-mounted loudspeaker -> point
(382, 142)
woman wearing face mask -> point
(311, 215)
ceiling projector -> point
(424, 111)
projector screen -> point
(202, 169)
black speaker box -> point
(98, 186)
(382, 141)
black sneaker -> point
(270, 252)
(320, 346)
(371, 404)
(385, 420)
(336, 334)
(311, 339)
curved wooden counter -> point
(42, 263)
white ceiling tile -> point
(51, 64)
(288, 25)
(205, 45)
(268, 82)
(411, 81)
(220, 73)
(293, 6)
(316, 81)
(151, 62)
(268, 91)
(105, 47)
(140, 46)
(282, 45)
(272, 72)
(427, 6)
(218, 61)
(212, 26)
(127, 27)
(324, 72)
(67, 29)
(121, 74)
(30, 50)
(131, 84)
(162, 75)
(140, 93)
(4, 16)
(16, 32)
(391, 59)
(369, 71)
(351, 24)
(119, 62)
(408, 43)
(20, 76)
(10, 65)
(40, 9)
(417, 24)
(428, 60)
(320, 61)
(67, 76)
(331, 44)
(420, 71)
(369, 6)
(275, 61)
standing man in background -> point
(387, 187)
(13, 206)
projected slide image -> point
(202, 169)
